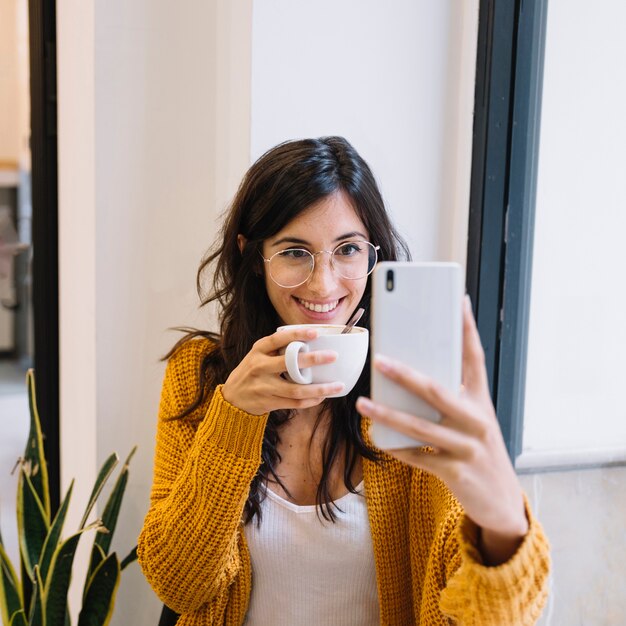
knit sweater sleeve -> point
(188, 546)
(473, 593)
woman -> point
(269, 504)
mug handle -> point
(302, 377)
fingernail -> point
(382, 363)
(311, 333)
(364, 403)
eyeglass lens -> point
(351, 260)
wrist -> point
(498, 546)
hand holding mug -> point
(256, 385)
(350, 348)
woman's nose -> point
(323, 279)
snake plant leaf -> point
(131, 557)
(105, 471)
(102, 541)
(58, 582)
(100, 597)
(27, 584)
(32, 522)
(10, 592)
(34, 457)
(18, 619)
(97, 556)
(113, 505)
(37, 608)
(54, 535)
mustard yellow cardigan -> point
(193, 551)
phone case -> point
(416, 319)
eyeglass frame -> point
(313, 255)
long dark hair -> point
(279, 186)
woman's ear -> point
(241, 242)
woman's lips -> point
(321, 315)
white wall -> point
(141, 176)
(395, 80)
(160, 111)
(577, 339)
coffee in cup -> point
(351, 349)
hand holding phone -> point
(470, 456)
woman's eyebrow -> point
(304, 242)
(293, 240)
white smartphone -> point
(417, 319)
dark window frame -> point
(509, 79)
(45, 232)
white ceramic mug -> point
(351, 350)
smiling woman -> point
(284, 512)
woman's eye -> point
(348, 249)
(294, 253)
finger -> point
(442, 437)
(474, 370)
(290, 403)
(317, 357)
(282, 338)
(422, 386)
(276, 364)
(456, 409)
(293, 391)
(432, 461)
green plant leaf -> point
(100, 597)
(27, 584)
(131, 557)
(110, 514)
(97, 556)
(113, 505)
(32, 522)
(58, 581)
(37, 606)
(10, 592)
(34, 457)
(54, 535)
(105, 471)
(18, 619)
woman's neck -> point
(301, 449)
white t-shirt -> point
(309, 571)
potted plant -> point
(38, 596)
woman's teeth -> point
(319, 308)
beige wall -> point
(14, 130)
(14, 87)
(9, 116)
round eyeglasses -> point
(351, 260)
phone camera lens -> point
(390, 280)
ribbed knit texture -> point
(194, 555)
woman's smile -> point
(320, 310)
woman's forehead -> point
(332, 219)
